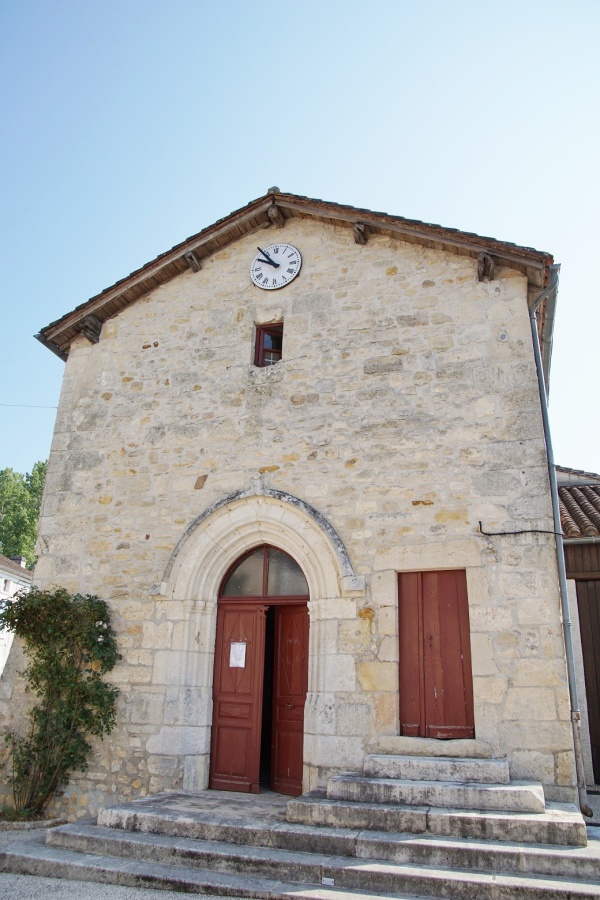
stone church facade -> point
(399, 420)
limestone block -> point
(339, 672)
(535, 612)
(388, 650)
(491, 618)
(538, 673)
(126, 675)
(179, 739)
(482, 655)
(353, 718)
(384, 590)
(565, 769)
(532, 764)
(544, 736)
(530, 704)
(187, 706)
(354, 637)
(409, 746)
(451, 554)
(386, 713)
(507, 644)
(320, 713)
(157, 637)
(163, 765)
(146, 708)
(491, 689)
(138, 657)
(333, 608)
(387, 621)
(340, 752)
(167, 668)
(377, 676)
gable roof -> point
(276, 207)
(10, 567)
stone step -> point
(560, 823)
(337, 877)
(293, 865)
(437, 768)
(518, 796)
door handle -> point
(290, 705)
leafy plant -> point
(71, 645)
(20, 499)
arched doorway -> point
(260, 675)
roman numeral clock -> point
(275, 266)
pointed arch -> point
(234, 524)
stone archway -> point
(210, 545)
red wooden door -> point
(237, 697)
(290, 684)
(588, 603)
(436, 683)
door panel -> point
(237, 697)
(588, 604)
(290, 684)
(436, 684)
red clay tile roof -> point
(580, 510)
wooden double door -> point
(259, 693)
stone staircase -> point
(406, 827)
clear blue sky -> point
(130, 124)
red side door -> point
(436, 682)
(237, 697)
(290, 684)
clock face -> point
(275, 266)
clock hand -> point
(268, 258)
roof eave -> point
(58, 335)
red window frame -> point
(263, 354)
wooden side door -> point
(237, 697)
(588, 603)
(290, 684)
(436, 682)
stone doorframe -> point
(210, 545)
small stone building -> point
(297, 455)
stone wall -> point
(405, 411)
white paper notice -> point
(237, 656)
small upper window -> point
(269, 344)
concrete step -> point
(518, 796)
(295, 865)
(560, 823)
(341, 876)
(437, 768)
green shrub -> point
(70, 645)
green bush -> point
(70, 645)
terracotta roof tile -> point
(580, 510)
